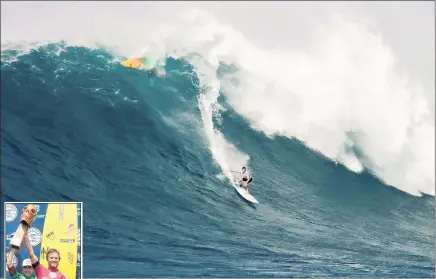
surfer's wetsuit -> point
(246, 176)
(43, 272)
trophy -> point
(28, 215)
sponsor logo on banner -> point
(67, 240)
(70, 229)
(11, 212)
(50, 235)
(79, 241)
(34, 236)
(61, 212)
(71, 258)
(44, 252)
(79, 259)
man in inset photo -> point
(53, 258)
(27, 268)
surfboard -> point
(142, 63)
(243, 193)
(61, 233)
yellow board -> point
(132, 63)
(61, 233)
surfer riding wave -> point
(246, 177)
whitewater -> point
(339, 133)
(344, 97)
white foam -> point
(350, 82)
(227, 156)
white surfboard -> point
(243, 193)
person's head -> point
(244, 169)
(27, 267)
(53, 257)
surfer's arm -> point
(11, 267)
(29, 249)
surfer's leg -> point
(242, 180)
(248, 182)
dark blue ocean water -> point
(76, 126)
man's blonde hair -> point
(52, 251)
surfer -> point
(27, 268)
(53, 257)
(246, 177)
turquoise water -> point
(77, 126)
